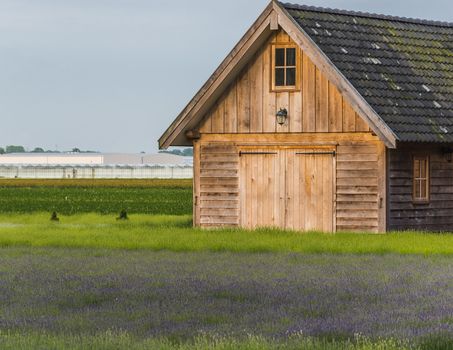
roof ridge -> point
(367, 15)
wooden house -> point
(325, 120)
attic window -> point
(285, 67)
(421, 179)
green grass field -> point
(175, 233)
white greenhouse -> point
(26, 166)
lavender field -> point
(181, 295)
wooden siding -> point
(358, 187)
(358, 181)
(404, 214)
(249, 105)
(218, 192)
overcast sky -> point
(111, 75)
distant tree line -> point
(21, 149)
(186, 152)
(12, 149)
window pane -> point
(279, 77)
(291, 57)
(423, 168)
(417, 190)
(290, 77)
(423, 194)
(416, 168)
(280, 57)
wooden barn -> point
(325, 120)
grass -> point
(111, 340)
(174, 233)
(171, 197)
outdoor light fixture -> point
(282, 115)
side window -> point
(285, 67)
(421, 179)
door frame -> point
(272, 148)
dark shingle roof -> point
(402, 67)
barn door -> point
(309, 190)
(261, 184)
(287, 188)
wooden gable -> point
(249, 105)
(228, 86)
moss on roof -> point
(402, 67)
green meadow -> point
(175, 233)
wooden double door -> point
(290, 188)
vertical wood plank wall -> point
(357, 188)
(260, 181)
(309, 190)
(403, 213)
(249, 105)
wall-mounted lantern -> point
(282, 116)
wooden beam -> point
(296, 138)
(193, 134)
(382, 188)
(196, 182)
(274, 21)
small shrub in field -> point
(54, 216)
(123, 215)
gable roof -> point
(402, 67)
(396, 72)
